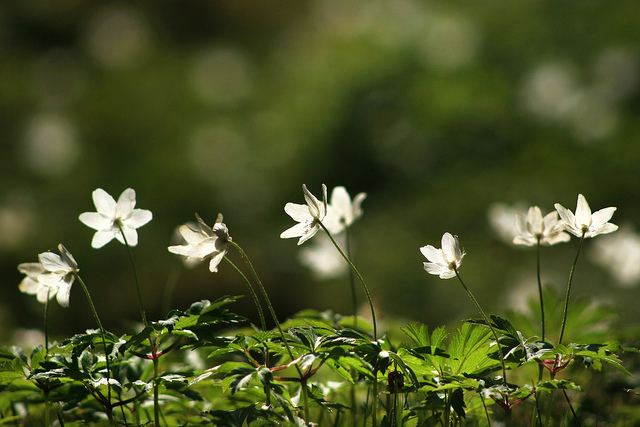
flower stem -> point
(352, 283)
(46, 324)
(265, 295)
(486, 319)
(104, 341)
(374, 404)
(254, 295)
(156, 387)
(566, 299)
(540, 288)
(360, 278)
(135, 277)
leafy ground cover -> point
(561, 361)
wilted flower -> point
(445, 261)
(342, 210)
(113, 219)
(308, 216)
(53, 275)
(533, 228)
(584, 223)
(204, 241)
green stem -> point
(265, 295)
(46, 323)
(446, 409)
(360, 278)
(540, 288)
(104, 342)
(486, 319)
(486, 412)
(566, 299)
(135, 277)
(374, 404)
(305, 400)
(252, 291)
(156, 388)
(352, 282)
(573, 412)
(47, 421)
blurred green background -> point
(437, 110)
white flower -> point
(532, 228)
(308, 216)
(323, 259)
(584, 222)
(620, 254)
(53, 275)
(502, 219)
(112, 217)
(342, 211)
(204, 241)
(445, 261)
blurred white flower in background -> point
(323, 259)
(502, 218)
(533, 228)
(548, 90)
(615, 72)
(16, 224)
(620, 254)
(342, 211)
(221, 76)
(117, 36)
(50, 146)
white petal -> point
(433, 254)
(44, 293)
(315, 206)
(215, 261)
(534, 218)
(583, 212)
(295, 231)
(130, 234)
(52, 262)
(451, 248)
(126, 203)
(31, 268)
(601, 217)
(29, 286)
(550, 221)
(332, 221)
(138, 218)
(95, 220)
(63, 293)
(190, 235)
(433, 268)
(566, 215)
(105, 204)
(298, 212)
(448, 274)
(605, 229)
(525, 240)
(555, 238)
(341, 202)
(67, 258)
(357, 205)
(101, 238)
(308, 234)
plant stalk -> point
(566, 299)
(252, 291)
(486, 319)
(135, 277)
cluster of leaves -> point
(217, 369)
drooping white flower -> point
(445, 261)
(533, 227)
(52, 276)
(342, 210)
(308, 216)
(111, 217)
(31, 284)
(583, 222)
(204, 241)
